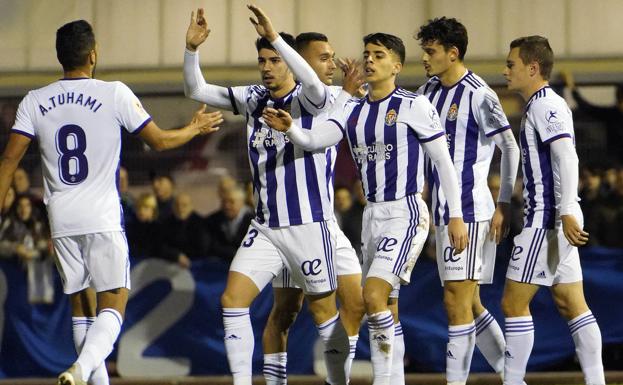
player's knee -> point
(570, 308)
(374, 301)
(513, 308)
(228, 300)
(353, 309)
(282, 317)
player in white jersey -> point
(77, 122)
(288, 298)
(387, 132)
(545, 252)
(292, 190)
(474, 123)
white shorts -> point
(99, 260)
(475, 263)
(543, 257)
(346, 261)
(392, 237)
(306, 250)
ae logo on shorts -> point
(516, 251)
(448, 255)
(386, 244)
(311, 267)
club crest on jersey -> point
(390, 117)
(453, 112)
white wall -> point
(150, 33)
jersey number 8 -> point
(71, 143)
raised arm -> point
(195, 86)
(201, 124)
(563, 153)
(313, 88)
(437, 150)
(321, 136)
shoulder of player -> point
(405, 94)
(474, 83)
(546, 99)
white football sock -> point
(275, 368)
(352, 342)
(80, 326)
(381, 328)
(587, 338)
(519, 341)
(99, 341)
(239, 343)
(336, 349)
(398, 357)
(461, 342)
(490, 340)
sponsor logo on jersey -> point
(376, 152)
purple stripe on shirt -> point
(370, 142)
(254, 157)
(548, 141)
(547, 178)
(24, 133)
(391, 164)
(141, 126)
(502, 129)
(469, 159)
(528, 179)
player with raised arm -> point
(475, 123)
(386, 132)
(77, 121)
(292, 226)
(288, 298)
(546, 250)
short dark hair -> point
(305, 38)
(391, 42)
(74, 42)
(263, 42)
(449, 32)
(536, 49)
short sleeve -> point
(422, 117)
(23, 119)
(552, 120)
(489, 113)
(239, 97)
(130, 112)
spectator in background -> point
(610, 214)
(127, 200)
(592, 198)
(26, 238)
(342, 202)
(7, 205)
(228, 226)
(226, 183)
(144, 233)
(164, 187)
(612, 117)
(21, 184)
(183, 234)
(249, 199)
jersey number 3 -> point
(71, 143)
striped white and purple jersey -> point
(291, 186)
(471, 114)
(78, 124)
(384, 138)
(547, 117)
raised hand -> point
(353, 76)
(279, 120)
(206, 122)
(262, 25)
(198, 30)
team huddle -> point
(443, 136)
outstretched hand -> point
(353, 76)
(279, 120)
(207, 122)
(198, 30)
(262, 25)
